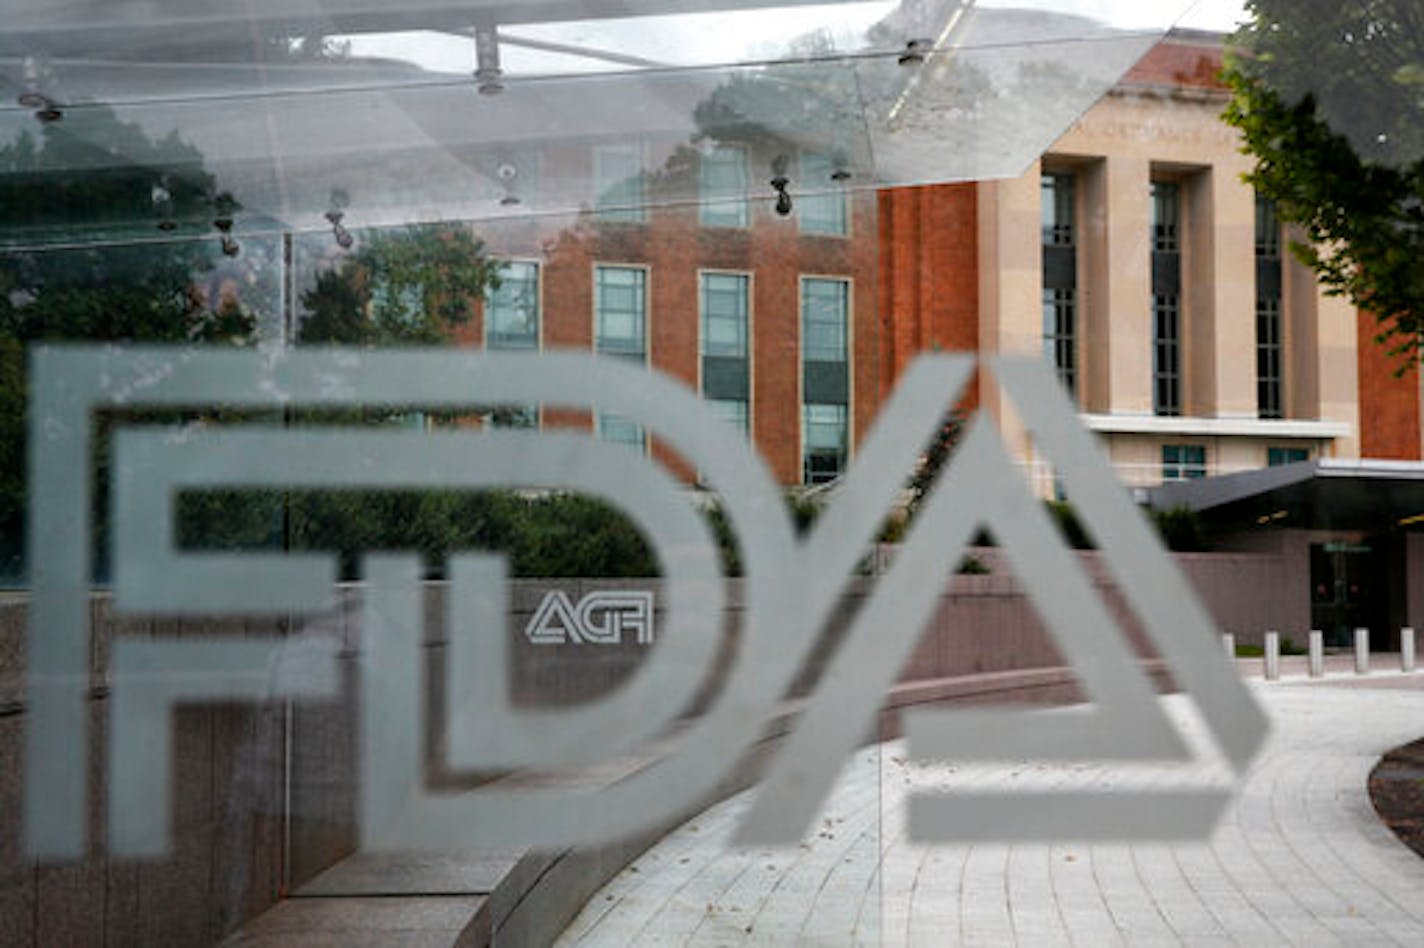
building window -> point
(726, 375)
(1060, 279)
(512, 322)
(1182, 462)
(1269, 359)
(1166, 356)
(722, 181)
(1166, 217)
(823, 439)
(724, 315)
(1166, 299)
(1276, 457)
(825, 377)
(618, 180)
(1059, 342)
(824, 212)
(513, 416)
(1058, 210)
(733, 411)
(620, 310)
(512, 311)
(824, 305)
(1268, 229)
(615, 429)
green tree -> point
(71, 268)
(1329, 96)
(408, 286)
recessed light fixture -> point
(778, 183)
(487, 68)
(914, 53)
(46, 109)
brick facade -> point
(1389, 401)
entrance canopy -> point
(288, 110)
(1310, 495)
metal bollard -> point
(1317, 653)
(1228, 644)
(1272, 655)
(1362, 651)
(1406, 649)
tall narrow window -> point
(1060, 279)
(725, 326)
(512, 322)
(618, 183)
(1166, 299)
(620, 311)
(512, 311)
(823, 212)
(825, 378)
(620, 328)
(1269, 386)
(1182, 462)
(722, 181)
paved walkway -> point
(1299, 859)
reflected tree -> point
(73, 265)
(1329, 97)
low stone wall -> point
(264, 797)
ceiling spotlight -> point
(914, 53)
(339, 201)
(487, 69)
(46, 109)
(162, 200)
(344, 240)
(225, 204)
(779, 182)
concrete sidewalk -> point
(1300, 858)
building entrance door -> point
(1348, 582)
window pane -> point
(1057, 210)
(823, 213)
(732, 411)
(724, 314)
(823, 442)
(823, 320)
(616, 429)
(620, 303)
(512, 311)
(1166, 217)
(723, 186)
(618, 173)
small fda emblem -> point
(600, 618)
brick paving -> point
(1300, 857)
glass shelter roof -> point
(275, 114)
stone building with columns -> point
(1134, 257)
(1217, 374)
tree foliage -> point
(408, 286)
(79, 261)
(1329, 96)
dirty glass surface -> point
(595, 472)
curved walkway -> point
(1300, 859)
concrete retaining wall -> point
(264, 797)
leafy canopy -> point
(1329, 96)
